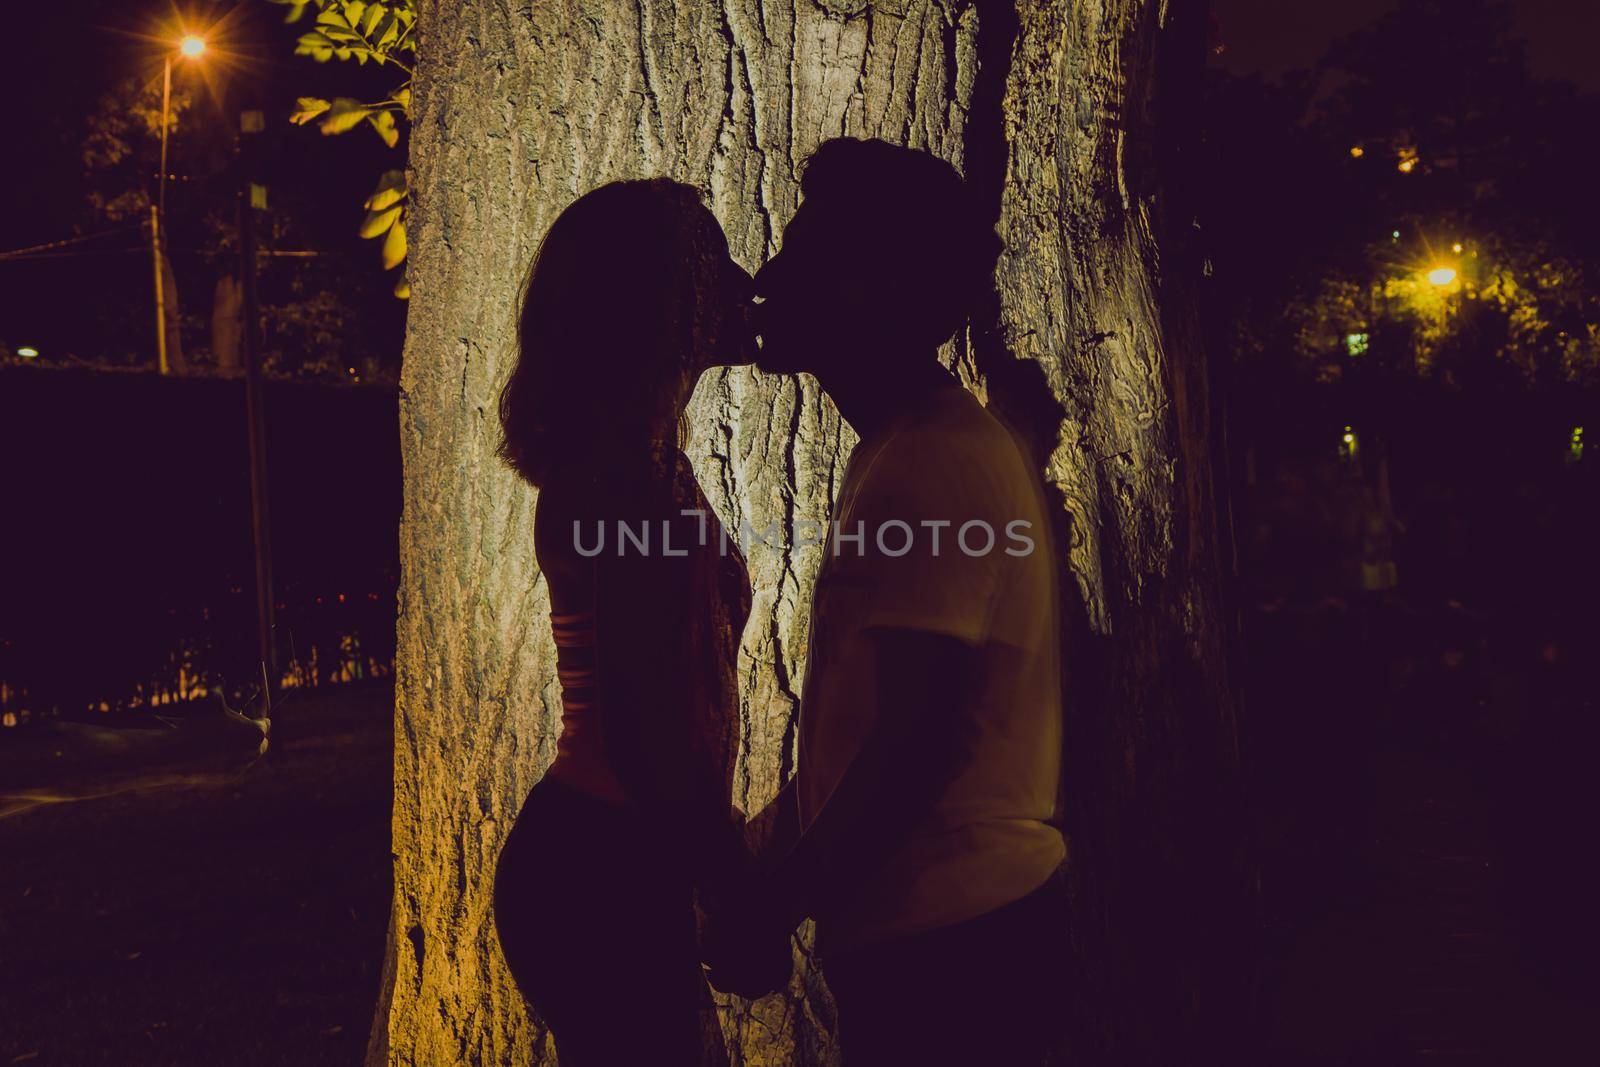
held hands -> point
(744, 945)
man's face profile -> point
(810, 293)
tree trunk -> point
(1057, 111)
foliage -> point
(311, 326)
(380, 33)
(1422, 145)
(121, 148)
(120, 151)
(311, 308)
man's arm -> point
(925, 685)
(917, 747)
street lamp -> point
(192, 46)
(1442, 276)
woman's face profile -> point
(724, 333)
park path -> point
(202, 913)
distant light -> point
(28, 353)
(1349, 438)
(1356, 151)
(1357, 344)
(1442, 275)
(1456, 248)
(192, 46)
(1395, 235)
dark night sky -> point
(1274, 36)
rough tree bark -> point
(1068, 114)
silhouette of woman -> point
(632, 295)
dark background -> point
(1272, 37)
(127, 546)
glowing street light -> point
(28, 352)
(1356, 151)
(1349, 444)
(1456, 248)
(1442, 276)
(191, 46)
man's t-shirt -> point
(953, 541)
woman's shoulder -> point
(604, 518)
(558, 518)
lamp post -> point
(253, 197)
(192, 47)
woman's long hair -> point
(607, 321)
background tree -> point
(1422, 142)
(120, 149)
(120, 154)
(1072, 118)
(312, 304)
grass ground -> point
(1428, 891)
(200, 906)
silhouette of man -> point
(930, 719)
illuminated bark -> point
(1065, 114)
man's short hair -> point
(913, 228)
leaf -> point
(391, 188)
(383, 122)
(402, 288)
(402, 96)
(343, 114)
(377, 223)
(387, 33)
(296, 8)
(308, 108)
(316, 45)
(394, 246)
